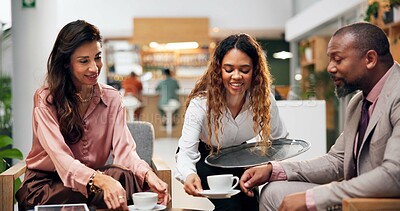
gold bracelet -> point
(93, 187)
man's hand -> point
(253, 177)
(294, 202)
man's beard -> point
(342, 91)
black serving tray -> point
(249, 154)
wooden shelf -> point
(158, 59)
(313, 63)
(122, 57)
(312, 59)
(187, 60)
(392, 30)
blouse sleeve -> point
(125, 149)
(188, 154)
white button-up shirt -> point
(235, 131)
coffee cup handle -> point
(237, 182)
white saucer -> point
(219, 195)
(157, 207)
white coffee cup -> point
(145, 200)
(222, 183)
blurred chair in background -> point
(169, 109)
(167, 90)
(132, 104)
(133, 86)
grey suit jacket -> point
(379, 160)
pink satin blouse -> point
(105, 131)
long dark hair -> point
(211, 86)
(59, 79)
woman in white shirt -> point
(230, 104)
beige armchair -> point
(143, 133)
(7, 179)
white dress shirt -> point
(235, 131)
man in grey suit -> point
(359, 59)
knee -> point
(269, 199)
(118, 172)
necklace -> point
(86, 99)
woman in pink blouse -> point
(77, 123)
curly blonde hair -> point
(211, 86)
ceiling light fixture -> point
(282, 55)
(298, 77)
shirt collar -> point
(376, 90)
(99, 95)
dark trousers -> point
(40, 187)
(237, 202)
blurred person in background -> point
(167, 89)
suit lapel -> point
(353, 114)
(383, 101)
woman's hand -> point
(158, 186)
(192, 185)
(114, 193)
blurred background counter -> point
(150, 110)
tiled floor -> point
(165, 148)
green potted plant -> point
(394, 3)
(5, 105)
(325, 85)
(320, 85)
(372, 10)
(305, 51)
(391, 11)
(6, 154)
